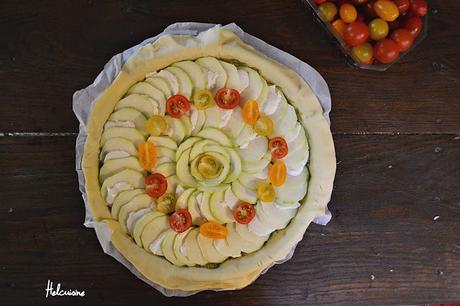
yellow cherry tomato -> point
(156, 125)
(264, 126)
(265, 191)
(250, 111)
(378, 29)
(147, 155)
(328, 10)
(386, 9)
(277, 173)
(203, 99)
(348, 12)
(166, 203)
(209, 167)
(363, 52)
(339, 26)
(213, 230)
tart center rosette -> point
(202, 161)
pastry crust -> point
(233, 273)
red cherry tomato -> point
(177, 105)
(356, 33)
(244, 213)
(320, 1)
(278, 147)
(403, 38)
(403, 5)
(156, 185)
(419, 7)
(181, 220)
(414, 24)
(386, 51)
(227, 98)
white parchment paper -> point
(84, 99)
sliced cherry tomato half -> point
(156, 185)
(156, 125)
(166, 203)
(277, 173)
(265, 191)
(244, 213)
(227, 98)
(213, 230)
(278, 147)
(147, 155)
(203, 99)
(250, 111)
(180, 220)
(263, 126)
(177, 105)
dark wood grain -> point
(52, 48)
(382, 246)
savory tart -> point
(207, 160)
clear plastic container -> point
(346, 49)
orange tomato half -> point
(277, 173)
(213, 230)
(250, 111)
(147, 155)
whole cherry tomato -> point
(348, 12)
(414, 24)
(419, 7)
(356, 33)
(386, 51)
(386, 9)
(363, 52)
(378, 29)
(328, 10)
(403, 5)
(403, 38)
(339, 26)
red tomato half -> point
(419, 7)
(414, 24)
(356, 33)
(386, 51)
(278, 147)
(227, 98)
(244, 213)
(181, 220)
(403, 38)
(177, 105)
(156, 185)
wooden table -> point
(397, 136)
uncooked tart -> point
(215, 164)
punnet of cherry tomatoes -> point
(373, 33)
